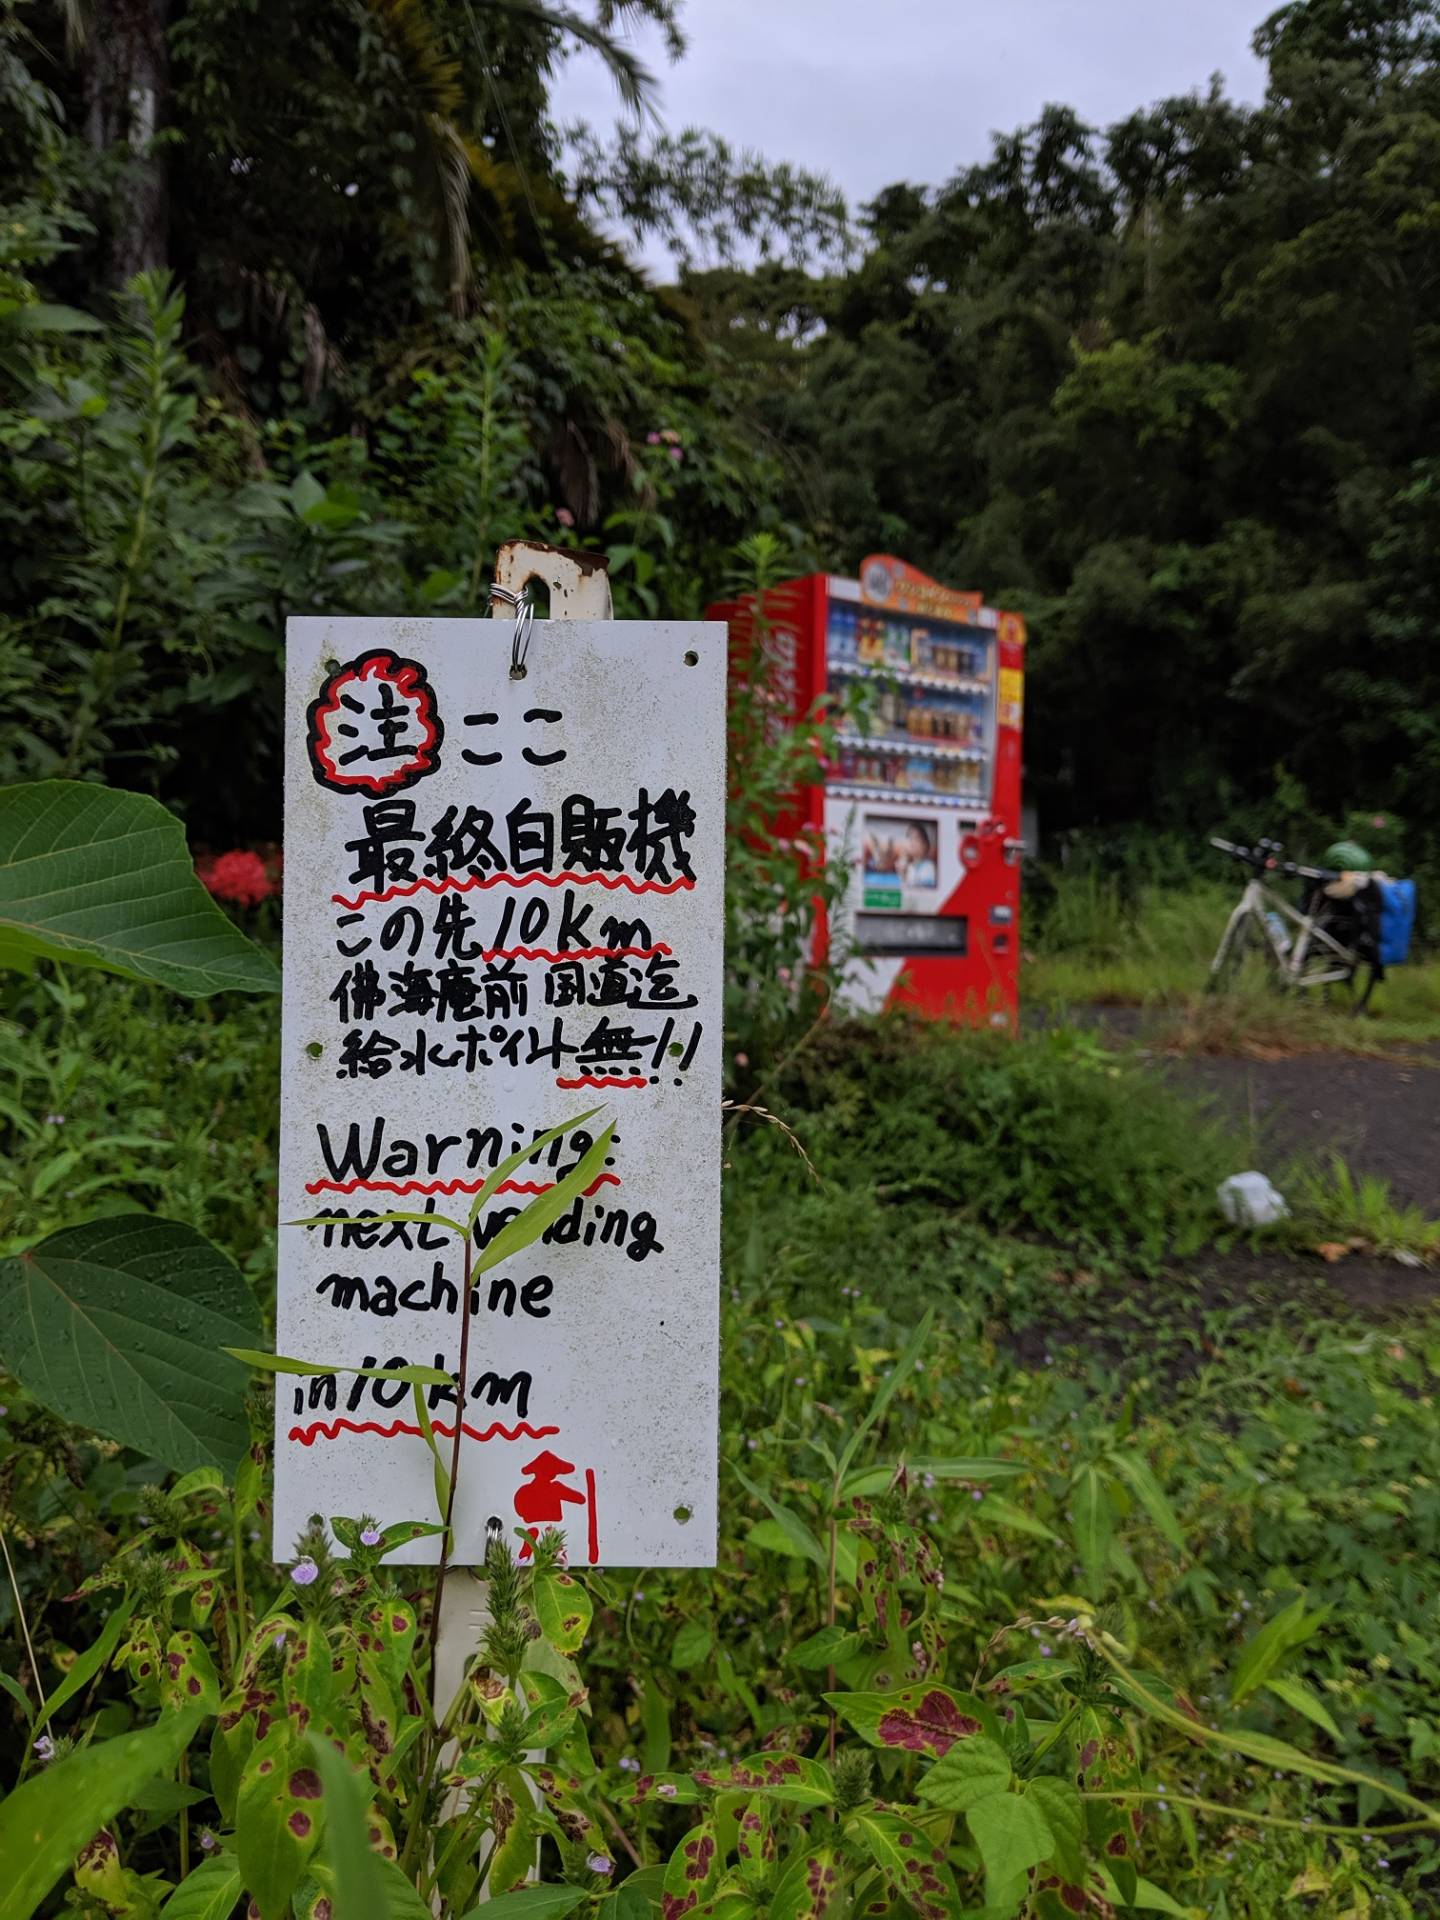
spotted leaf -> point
(809, 1886)
(777, 1776)
(187, 1673)
(923, 1719)
(912, 1863)
(280, 1814)
(563, 1608)
(692, 1873)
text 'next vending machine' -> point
(923, 798)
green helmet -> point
(1346, 856)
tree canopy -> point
(1169, 386)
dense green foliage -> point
(1170, 386)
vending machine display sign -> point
(503, 918)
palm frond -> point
(634, 81)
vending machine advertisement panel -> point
(922, 800)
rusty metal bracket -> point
(578, 583)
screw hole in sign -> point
(692, 659)
(332, 666)
(682, 1514)
(314, 1049)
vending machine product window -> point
(923, 797)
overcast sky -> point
(874, 91)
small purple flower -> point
(652, 439)
(1045, 1652)
(599, 1863)
(677, 454)
(208, 1842)
(305, 1572)
(370, 1537)
(280, 1643)
(977, 1493)
(45, 1748)
(666, 1789)
(628, 1763)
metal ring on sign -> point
(524, 622)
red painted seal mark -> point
(605, 1080)
(326, 740)
(610, 881)
(449, 1187)
(330, 1430)
(594, 1540)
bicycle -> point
(1330, 944)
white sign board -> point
(503, 907)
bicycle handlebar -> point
(1264, 857)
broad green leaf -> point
(546, 1208)
(45, 1822)
(1064, 1813)
(1135, 1469)
(209, 1893)
(531, 1903)
(1148, 1898)
(789, 1522)
(86, 1665)
(512, 1164)
(413, 1376)
(1303, 1699)
(101, 878)
(692, 1644)
(41, 317)
(1012, 1835)
(636, 1898)
(655, 1720)
(1003, 1515)
(1263, 1653)
(903, 1370)
(16, 1692)
(122, 1325)
(865, 1481)
(827, 1648)
(359, 1887)
(970, 1772)
(1094, 1526)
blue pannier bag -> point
(1397, 920)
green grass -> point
(1097, 945)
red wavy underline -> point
(449, 1187)
(608, 1080)
(575, 953)
(451, 885)
(330, 1429)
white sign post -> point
(503, 909)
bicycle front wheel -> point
(1245, 959)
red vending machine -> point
(923, 804)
